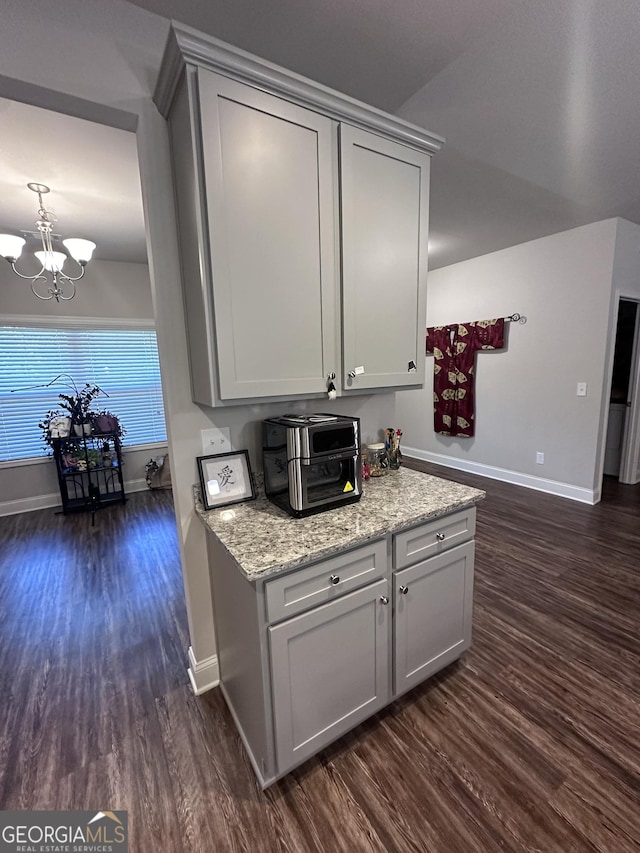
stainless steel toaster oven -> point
(311, 462)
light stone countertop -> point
(264, 540)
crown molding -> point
(186, 46)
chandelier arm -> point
(54, 291)
(34, 280)
(60, 274)
(61, 294)
(71, 277)
(29, 277)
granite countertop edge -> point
(249, 530)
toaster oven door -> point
(329, 480)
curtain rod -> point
(515, 318)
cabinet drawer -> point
(317, 584)
(433, 537)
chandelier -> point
(51, 282)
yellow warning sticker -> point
(348, 487)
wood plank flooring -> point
(530, 743)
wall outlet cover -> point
(582, 389)
(540, 458)
(216, 440)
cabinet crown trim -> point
(186, 45)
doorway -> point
(94, 176)
(622, 449)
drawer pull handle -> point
(404, 590)
(384, 599)
(439, 536)
(334, 579)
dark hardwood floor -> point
(530, 743)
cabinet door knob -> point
(384, 599)
(403, 590)
(334, 579)
(439, 536)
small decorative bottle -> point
(395, 454)
(366, 471)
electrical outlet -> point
(540, 458)
(582, 389)
(216, 440)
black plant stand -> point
(89, 472)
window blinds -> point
(123, 362)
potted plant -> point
(104, 421)
(94, 457)
(74, 413)
(78, 406)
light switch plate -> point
(582, 389)
(216, 440)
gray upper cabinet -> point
(302, 222)
(385, 208)
(254, 183)
(268, 176)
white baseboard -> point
(552, 487)
(203, 674)
(138, 485)
(29, 504)
(53, 499)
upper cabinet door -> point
(269, 174)
(385, 204)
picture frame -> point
(225, 478)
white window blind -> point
(123, 362)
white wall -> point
(100, 61)
(526, 394)
(109, 289)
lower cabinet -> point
(433, 612)
(329, 671)
(308, 654)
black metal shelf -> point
(89, 471)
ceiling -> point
(91, 170)
(539, 103)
